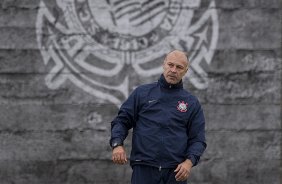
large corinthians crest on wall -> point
(99, 44)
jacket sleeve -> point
(125, 119)
(196, 133)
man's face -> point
(175, 67)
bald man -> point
(168, 127)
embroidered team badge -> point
(182, 106)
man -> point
(168, 127)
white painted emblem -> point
(182, 106)
(99, 45)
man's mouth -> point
(172, 76)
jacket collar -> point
(166, 85)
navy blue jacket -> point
(168, 125)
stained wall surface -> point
(67, 65)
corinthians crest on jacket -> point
(182, 106)
(101, 45)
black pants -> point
(143, 174)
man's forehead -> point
(177, 56)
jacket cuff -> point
(115, 140)
(193, 159)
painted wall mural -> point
(91, 42)
(67, 65)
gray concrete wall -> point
(60, 86)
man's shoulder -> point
(190, 96)
(188, 93)
(147, 86)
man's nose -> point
(173, 69)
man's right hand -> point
(119, 155)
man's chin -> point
(172, 81)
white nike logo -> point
(150, 101)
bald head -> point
(178, 55)
(175, 66)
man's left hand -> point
(183, 170)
